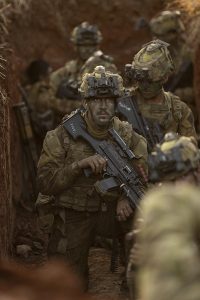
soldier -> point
(151, 67)
(39, 98)
(61, 165)
(176, 160)
(38, 88)
(167, 26)
(66, 80)
(169, 244)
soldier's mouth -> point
(103, 114)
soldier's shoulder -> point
(57, 135)
(71, 65)
(51, 134)
(177, 103)
(126, 131)
(122, 127)
(99, 58)
(179, 108)
(103, 56)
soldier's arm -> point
(55, 174)
(186, 125)
(57, 76)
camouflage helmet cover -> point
(166, 22)
(175, 157)
(154, 61)
(86, 33)
(101, 84)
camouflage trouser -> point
(72, 235)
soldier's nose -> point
(103, 103)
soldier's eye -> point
(98, 101)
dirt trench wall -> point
(44, 30)
(9, 154)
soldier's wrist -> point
(76, 167)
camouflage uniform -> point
(40, 97)
(151, 67)
(175, 159)
(72, 72)
(172, 114)
(77, 204)
(168, 27)
(169, 244)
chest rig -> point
(168, 114)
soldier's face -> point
(101, 111)
(85, 51)
(149, 89)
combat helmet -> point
(86, 33)
(173, 158)
(101, 84)
(153, 62)
(166, 22)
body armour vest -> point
(81, 195)
(168, 114)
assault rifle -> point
(119, 172)
(127, 107)
(28, 147)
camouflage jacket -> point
(40, 95)
(59, 175)
(172, 115)
(40, 98)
